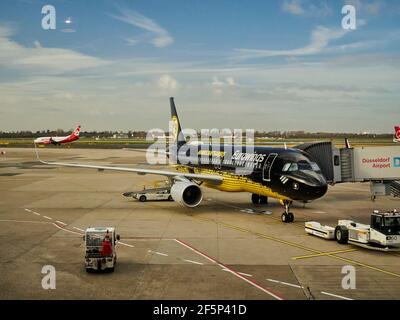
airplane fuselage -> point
(54, 140)
(282, 173)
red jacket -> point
(106, 249)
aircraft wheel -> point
(255, 198)
(142, 198)
(263, 200)
(291, 217)
(341, 234)
(285, 217)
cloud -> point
(41, 59)
(373, 7)
(218, 85)
(155, 35)
(306, 8)
(320, 39)
(166, 82)
(293, 7)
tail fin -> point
(397, 132)
(175, 126)
(347, 143)
(76, 131)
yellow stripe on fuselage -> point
(234, 183)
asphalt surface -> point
(225, 249)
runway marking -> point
(245, 274)
(28, 210)
(195, 262)
(159, 253)
(126, 244)
(64, 229)
(286, 283)
(295, 245)
(242, 273)
(251, 282)
(323, 254)
(60, 222)
(149, 238)
(48, 218)
(335, 295)
(25, 221)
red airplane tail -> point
(75, 133)
(397, 132)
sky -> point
(266, 65)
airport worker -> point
(106, 249)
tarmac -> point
(226, 248)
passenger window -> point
(286, 167)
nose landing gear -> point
(287, 216)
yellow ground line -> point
(332, 255)
(323, 254)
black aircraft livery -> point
(287, 174)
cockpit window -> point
(315, 167)
(300, 166)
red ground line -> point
(246, 279)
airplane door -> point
(268, 165)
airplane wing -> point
(170, 174)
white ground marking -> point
(56, 225)
(26, 221)
(195, 262)
(28, 210)
(319, 212)
(335, 295)
(252, 283)
(126, 244)
(160, 253)
(63, 223)
(286, 283)
(245, 274)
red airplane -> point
(59, 140)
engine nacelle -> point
(186, 193)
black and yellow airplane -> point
(287, 174)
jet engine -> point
(186, 193)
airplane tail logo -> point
(397, 133)
(175, 126)
(76, 131)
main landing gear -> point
(257, 199)
(287, 216)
